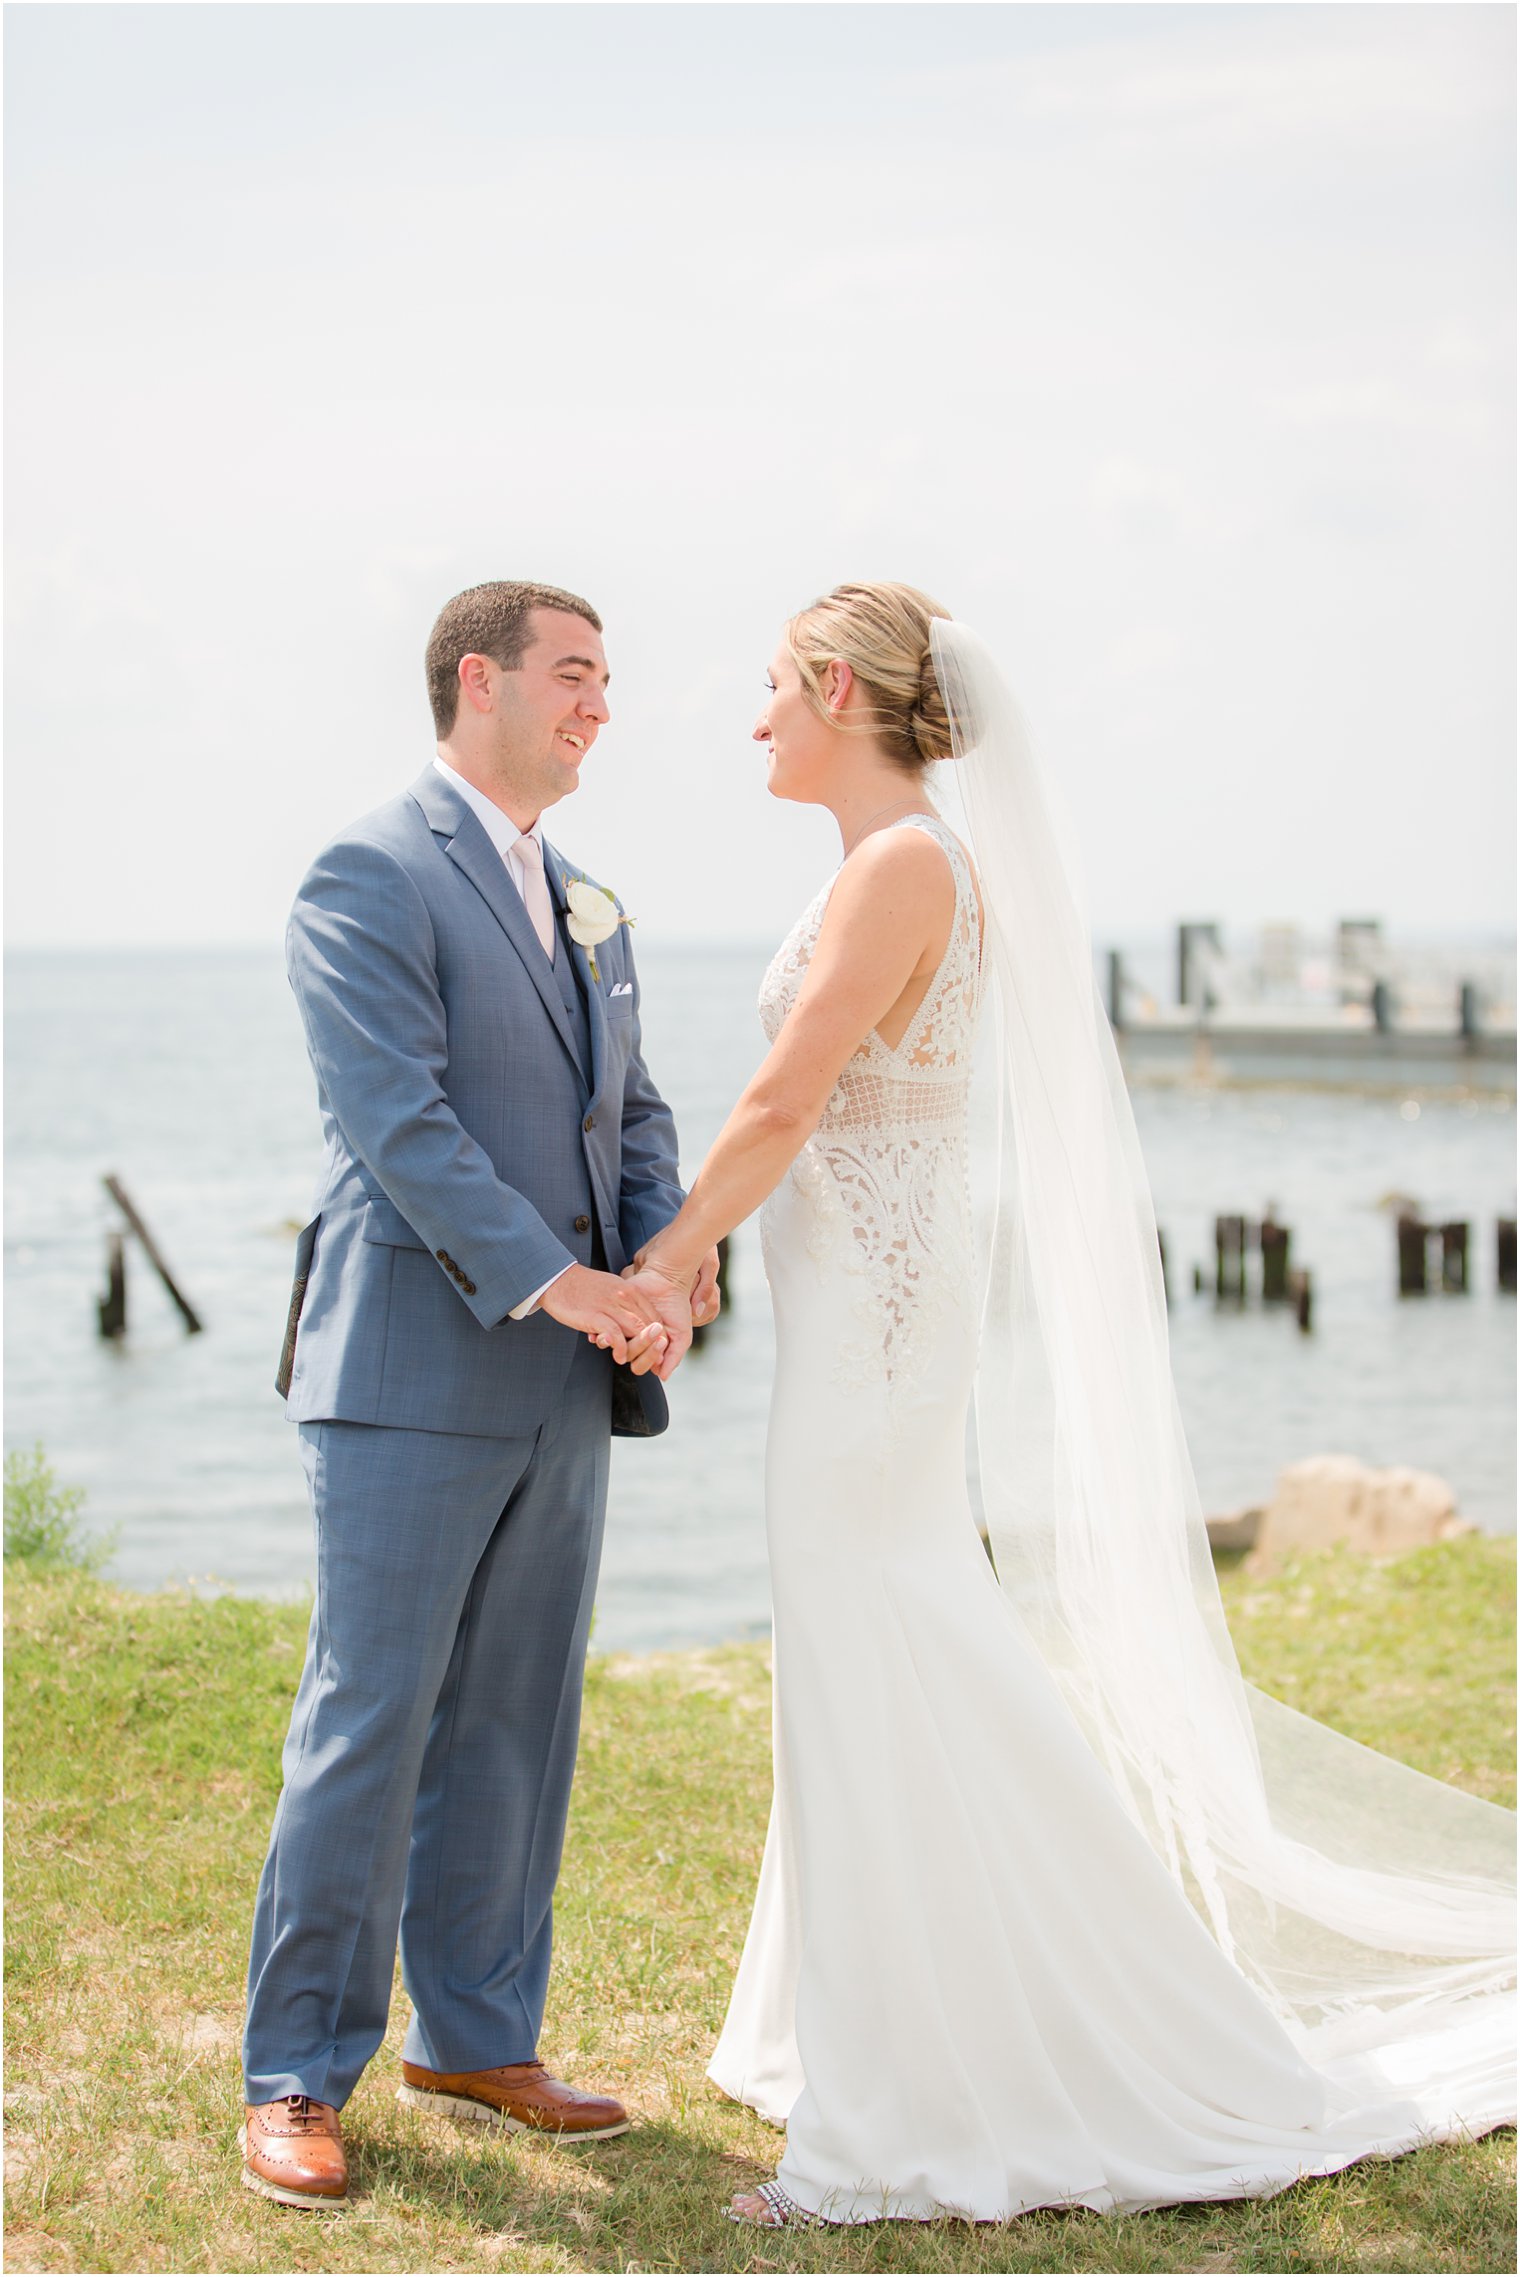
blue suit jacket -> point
(467, 1161)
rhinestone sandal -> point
(785, 2213)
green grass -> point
(144, 1741)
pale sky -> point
(1172, 347)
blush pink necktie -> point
(536, 890)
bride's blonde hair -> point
(882, 633)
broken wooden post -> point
(1382, 1007)
(1469, 1017)
(1275, 1242)
(1506, 1257)
(1230, 1259)
(119, 1195)
(112, 1307)
(1301, 1295)
(1411, 1257)
(1454, 1257)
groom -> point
(459, 1350)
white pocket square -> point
(624, 988)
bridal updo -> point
(882, 633)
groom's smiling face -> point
(551, 707)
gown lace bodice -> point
(884, 1175)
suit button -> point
(583, 1225)
(586, 1125)
(468, 1288)
(442, 1256)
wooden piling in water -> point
(1230, 1260)
(124, 1203)
(1412, 1246)
(1505, 1258)
(1301, 1292)
(1275, 1243)
(1454, 1257)
(112, 1307)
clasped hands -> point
(643, 1317)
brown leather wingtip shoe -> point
(293, 2152)
(519, 2097)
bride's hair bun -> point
(882, 633)
(931, 721)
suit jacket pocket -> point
(384, 1223)
(306, 1242)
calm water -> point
(187, 1075)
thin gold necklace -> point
(876, 817)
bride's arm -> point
(888, 917)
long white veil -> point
(1371, 1906)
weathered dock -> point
(1184, 1045)
(1355, 1014)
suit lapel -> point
(555, 870)
(471, 850)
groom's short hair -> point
(493, 620)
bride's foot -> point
(768, 2208)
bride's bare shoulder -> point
(910, 864)
(911, 857)
(893, 877)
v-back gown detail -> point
(969, 1984)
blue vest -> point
(567, 973)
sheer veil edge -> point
(1371, 1907)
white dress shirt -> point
(504, 835)
(500, 828)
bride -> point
(1055, 1909)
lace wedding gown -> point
(970, 1984)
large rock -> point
(1234, 1531)
(1334, 1498)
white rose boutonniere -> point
(594, 917)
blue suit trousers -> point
(428, 1765)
